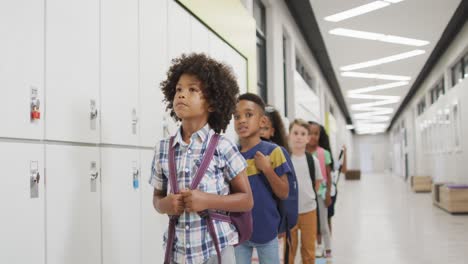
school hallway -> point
(380, 220)
(88, 98)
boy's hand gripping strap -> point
(196, 181)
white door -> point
(179, 35)
(21, 67)
(366, 157)
(153, 224)
(22, 235)
(121, 202)
(216, 45)
(379, 156)
(72, 71)
(199, 35)
(239, 67)
(73, 205)
(179, 41)
(119, 78)
(153, 68)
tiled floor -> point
(380, 221)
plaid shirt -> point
(193, 243)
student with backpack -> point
(324, 194)
(199, 176)
(273, 130)
(309, 178)
(324, 143)
(267, 170)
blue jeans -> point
(268, 253)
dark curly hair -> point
(279, 137)
(253, 98)
(219, 86)
(324, 141)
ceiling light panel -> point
(376, 76)
(384, 60)
(357, 11)
(377, 37)
(377, 88)
(393, 1)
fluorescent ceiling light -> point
(376, 76)
(377, 36)
(369, 106)
(357, 11)
(404, 41)
(384, 60)
(349, 127)
(377, 87)
(393, 1)
(375, 118)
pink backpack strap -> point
(323, 166)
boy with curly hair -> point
(200, 93)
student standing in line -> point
(267, 169)
(324, 198)
(309, 178)
(200, 93)
(273, 130)
(324, 142)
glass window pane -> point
(259, 15)
(457, 73)
(285, 87)
(466, 66)
(442, 86)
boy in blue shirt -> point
(266, 169)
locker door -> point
(119, 72)
(239, 65)
(199, 36)
(179, 35)
(153, 66)
(73, 205)
(121, 206)
(21, 67)
(72, 71)
(153, 224)
(22, 230)
(216, 46)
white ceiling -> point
(418, 19)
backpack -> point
(311, 165)
(241, 220)
(288, 208)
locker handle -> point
(94, 175)
(93, 114)
(36, 178)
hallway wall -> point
(432, 135)
(372, 153)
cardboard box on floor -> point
(451, 197)
(353, 175)
(421, 183)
